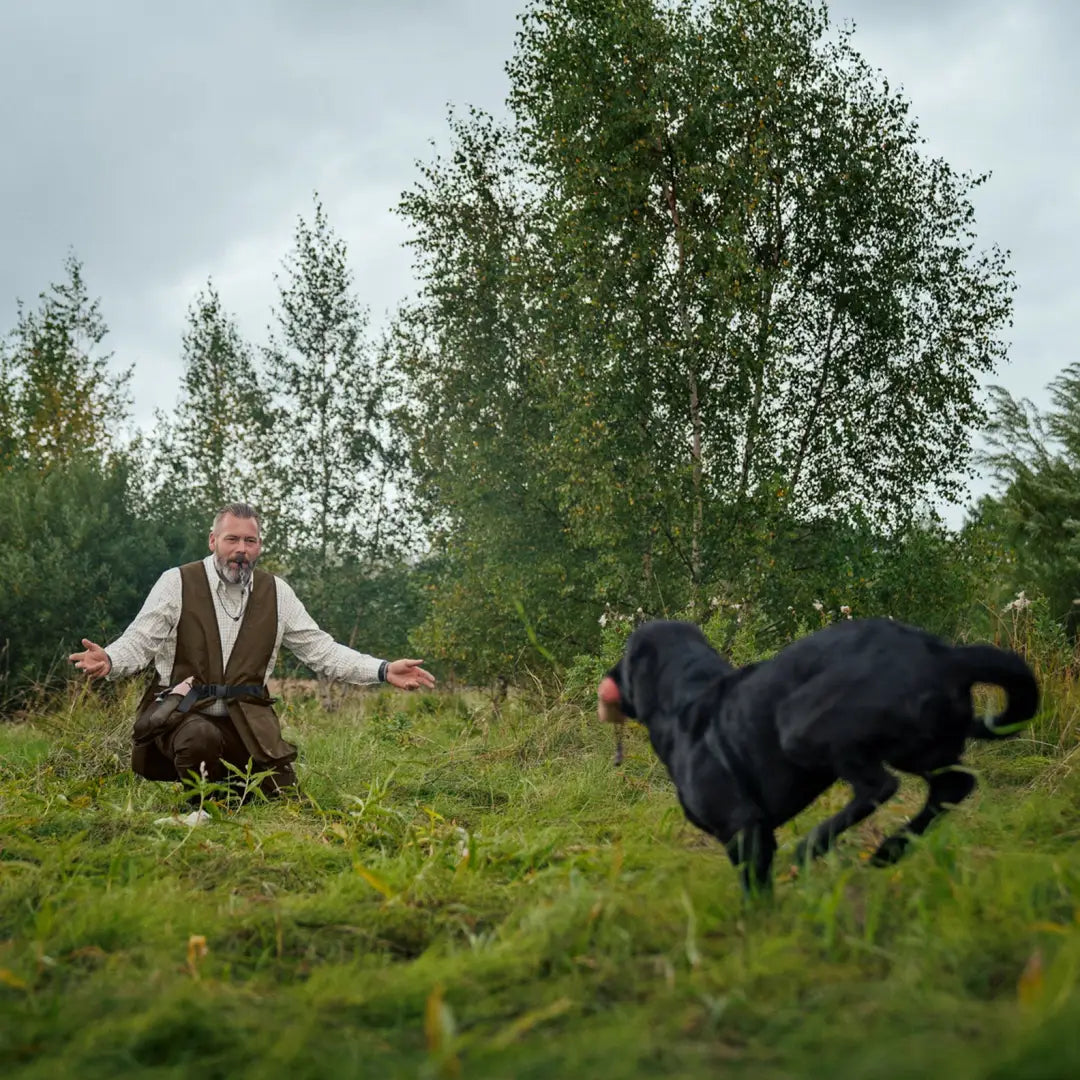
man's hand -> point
(409, 675)
(95, 661)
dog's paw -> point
(808, 849)
(892, 848)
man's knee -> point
(196, 746)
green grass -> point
(467, 895)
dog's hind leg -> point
(872, 785)
(751, 852)
(948, 786)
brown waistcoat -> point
(198, 653)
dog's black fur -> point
(748, 748)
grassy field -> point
(463, 894)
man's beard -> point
(236, 570)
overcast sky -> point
(166, 144)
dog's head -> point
(629, 690)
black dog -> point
(748, 748)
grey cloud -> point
(163, 143)
(167, 143)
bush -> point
(77, 560)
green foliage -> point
(1035, 456)
(585, 672)
(742, 632)
(58, 400)
(78, 551)
(703, 292)
(804, 576)
(77, 559)
(373, 611)
(920, 573)
(456, 895)
(203, 452)
(327, 461)
(491, 620)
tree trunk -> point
(697, 519)
(815, 407)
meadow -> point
(471, 892)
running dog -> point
(749, 748)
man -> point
(213, 630)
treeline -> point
(699, 329)
(91, 513)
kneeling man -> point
(213, 630)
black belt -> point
(221, 692)
(170, 709)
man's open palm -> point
(94, 661)
(409, 675)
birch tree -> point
(709, 253)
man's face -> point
(236, 546)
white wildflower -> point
(603, 620)
(818, 605)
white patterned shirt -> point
(152, 633)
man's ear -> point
(212, 541)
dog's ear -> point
(637, 676)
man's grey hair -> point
(240, 510)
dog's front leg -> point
(751, 852)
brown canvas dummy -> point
(198, 654)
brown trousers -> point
(203, 744)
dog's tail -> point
(987, 664)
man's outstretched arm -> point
(315, 647)
(94, 660)
(139, 643)
(408, 675)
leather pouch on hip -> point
(157, 720)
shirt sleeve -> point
(316, 648)
(140, 643)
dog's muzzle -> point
(609, 702)
(609, 710)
